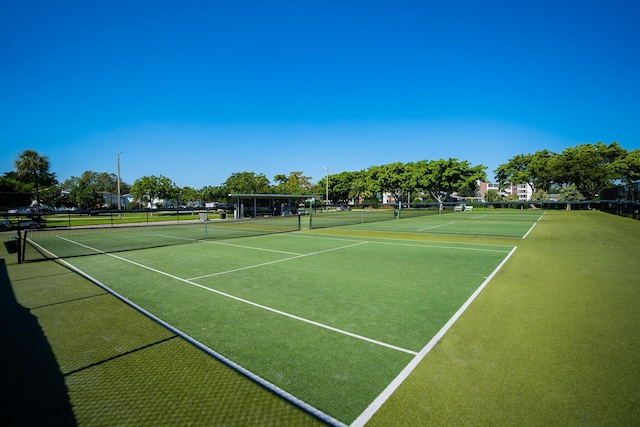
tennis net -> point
(337, 219)
(72, 242)
(418, 212)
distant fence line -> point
(623, 200)
(107, 217)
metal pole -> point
(19, 243)
(119, 204)
(326, 198)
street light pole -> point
(326, 197)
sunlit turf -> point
(551, 340)
(292, 308)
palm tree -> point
(32, 165)
(359, 190)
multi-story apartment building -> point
(523, 191)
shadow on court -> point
(34, 388)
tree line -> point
(579, 172)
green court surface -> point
(329, 319)
(329, 322)
(509, 223)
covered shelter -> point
(260, 205)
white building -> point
(523, 191)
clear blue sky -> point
(196, 91)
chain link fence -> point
(622, 200)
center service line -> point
(264, 307)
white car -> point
(6, 224)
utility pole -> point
(326, 197)
(119, 202)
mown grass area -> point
(553, 340)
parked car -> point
(6, 224)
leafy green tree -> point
(150, 188)
(85, 196)
(391, 178)
(248, 183)
(13, 192)
(628, 167)
(294, 183)
(102, 181)
(512, 200)
(32, 167)
(570, 193)
(533, 169)
(214, 194)
(54, 197)
(440, 178)
(339, 185)
(492, 196)
(190, 196)
(540, 196)
(591, 167)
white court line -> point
(275, 262)
(393, 386)
(212, 242)
(418, 243)
(251, 303)
(436, 226)
(415, 245)
(527, 233)
(228, 244)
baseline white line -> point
(274, 262)
(254, 304)
(393, 386)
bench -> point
(459, 208)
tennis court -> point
(488, 223)
(331, 323)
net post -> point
(299, 222)
(19, 243)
